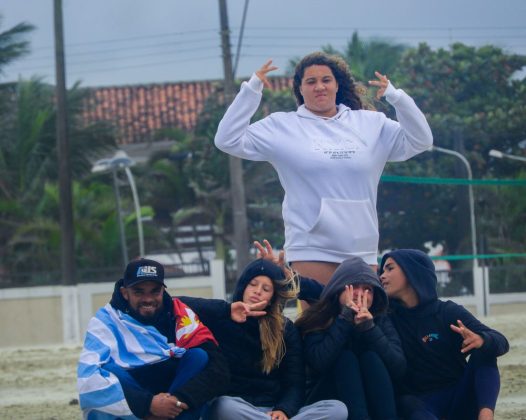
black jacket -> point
(322, 348)
(431, 347)
(284, 388)
(210, 382)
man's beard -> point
(147, 320)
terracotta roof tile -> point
(138, 111)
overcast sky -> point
(116, 42)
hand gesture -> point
(470, 339)
(239, 311)
(277, 415)
(167, 406)
(358, 306)
(262, 73)
(381, 83)
(266, 252)
(363, 302)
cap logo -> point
(146, 271)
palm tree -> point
(28, 159)
(12, 44)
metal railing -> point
(97, 275)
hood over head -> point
(419, 271)
(259, 267)
(354, 271)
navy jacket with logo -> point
(432, 349)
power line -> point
(113, 50)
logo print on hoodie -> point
(430, 337)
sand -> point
(39, 383)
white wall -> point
(33, 316)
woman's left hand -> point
(277, 415)
(381, 83)
(471, 340)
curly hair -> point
(348, 91)
(272, 325)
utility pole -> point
(237, 188)
(67, 253)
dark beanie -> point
(355, 271)
(419, 271)
(256, 268)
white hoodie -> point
(329, 167)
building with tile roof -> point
(139, 111)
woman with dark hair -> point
(437, 337)
(263, 349)
(329, 155)
(351, 347)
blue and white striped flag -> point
(115, 336)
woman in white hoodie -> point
(329, 155)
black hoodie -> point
(209, 383)
(432, 349)
(322, 348)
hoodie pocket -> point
(348, 226)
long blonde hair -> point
(272, 325)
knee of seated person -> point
(348, 354)
(346, 358)
(338, 410)
(220, 405)
(369, 356)
(196, 355)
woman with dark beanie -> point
(263, 350)
(351, 347)
(437, 336)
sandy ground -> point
(39, 383)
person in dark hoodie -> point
(351, 347)
(147, 355)
(263, 349)
(437, 336)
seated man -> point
(147, 355)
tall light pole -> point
(474, 251)
(122, 161)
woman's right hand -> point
(262, 73)
(348, 298)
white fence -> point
(51, 315)
(33, 316)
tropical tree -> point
(475, 100)
(28, 161)
(12, 43)
(34, 246)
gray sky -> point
(116, 42)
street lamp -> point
(122, 161)
(472, 221)
(501, 155)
